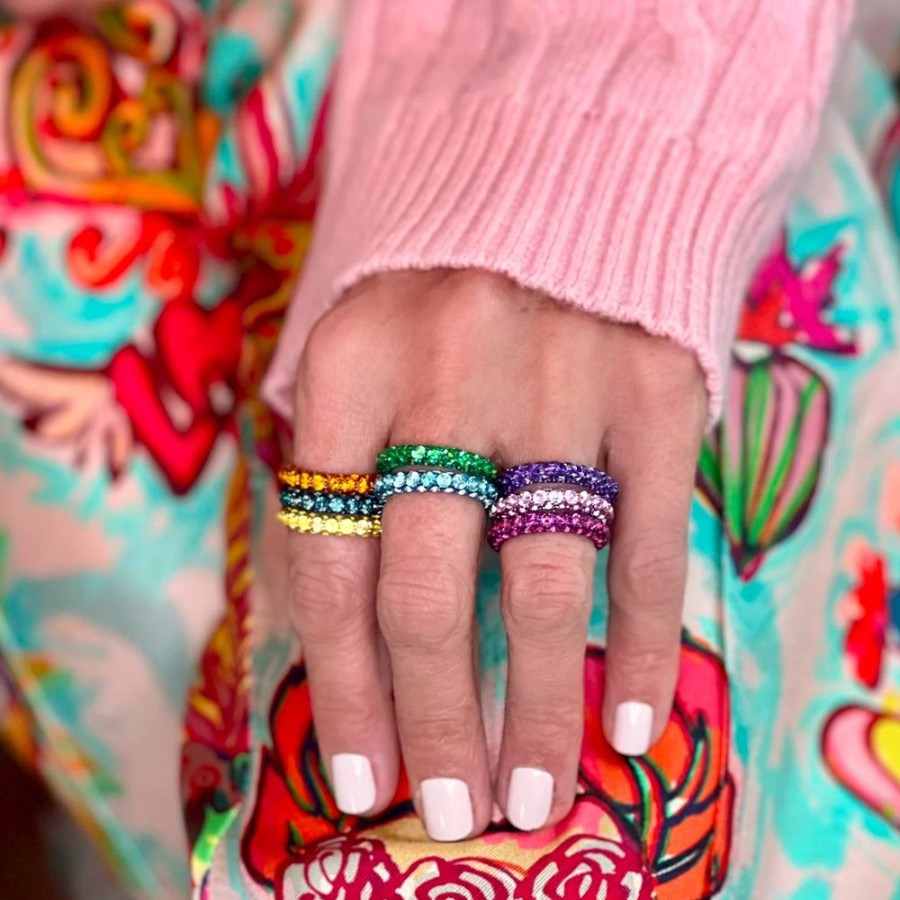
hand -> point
(468, 359)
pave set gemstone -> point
(404, 456)
(529, 474)
(590, 526)
(541, 499)
(433, 481)
(332, 483)
(342, 526)
(535, 499)
(329, 503)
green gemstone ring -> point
(465, 462)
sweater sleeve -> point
(631, 157)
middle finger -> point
(426, 611)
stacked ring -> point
(435, 481)
(503, 529)
(404, 456)
(291, 476)
(425, 468)
(328, 503)
(528, 474)
(343, 526)
(550, 500)
(526, 507)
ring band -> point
(528, 474)
(404, 456)
(333, 483)
(549, 500)
(591, 527)
(343, 526)
(432, 481)
(329, 504)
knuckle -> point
(347, 707)
(339, 337)
(648, 672)
(544, 598)
(667, 376)
(553, 732)
(326, 599)
(655, 573)
(417, 609)
(446, 737)
(469, 293)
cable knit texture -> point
(630, 157)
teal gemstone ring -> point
(435, 481)
(404, 456)
(329, 504)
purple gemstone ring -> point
(589, 526)
(587, 477)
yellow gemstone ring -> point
(339, 526)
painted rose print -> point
(657, 826)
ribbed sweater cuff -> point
(610, 216)
(643, 190)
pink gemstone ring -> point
(586, 525)
(546, 500)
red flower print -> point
(457, 879)
(587, 867)
(867, 612)
(344, 868)
(679, 797)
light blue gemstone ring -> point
(435, 481)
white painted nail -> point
(353, 782)
(446, 808)
(634, 722)
(530, 798)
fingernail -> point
(530, 798)
(354, 783)
(447, 808)
(634, 722)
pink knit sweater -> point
(631, 157)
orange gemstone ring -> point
(325, 482)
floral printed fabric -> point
(158, 175)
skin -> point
(469, 359)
